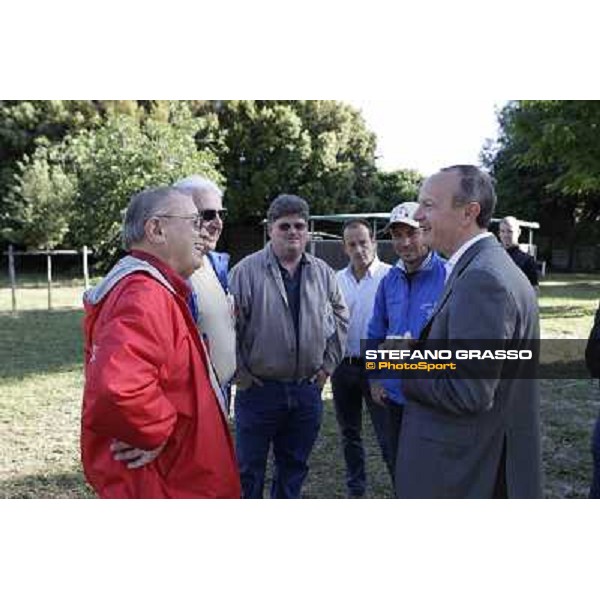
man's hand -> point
(405, 342)
(321, 378)
(134, 458)
(378, 393)
(244, 380)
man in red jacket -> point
(150, 390)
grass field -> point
(41, 383)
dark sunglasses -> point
(210, 214)
(288, 226)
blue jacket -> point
(220, 263)
(401, 306)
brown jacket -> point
(266, 341)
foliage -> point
(25, 125)
(81, 185)
(547, 166)
(321, 150)
(394, 187)
(125, 156)
(40, 203)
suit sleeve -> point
(130, 349)
(481, 308)
(336, 343)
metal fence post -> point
(49, 267)
(12, 276)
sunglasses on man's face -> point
(210, 214)
(288, 226)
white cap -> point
(404, 213)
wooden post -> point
(12, 276)
(86, 273)
(49, 266)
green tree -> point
(41, 202)
(24, 124)
(342, 162)
(75, 191)
(393, 187)
(125, 156)
(546, 163)
(321, 150)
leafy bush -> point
(41, 202)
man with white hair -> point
(509, 233)
(214, 304)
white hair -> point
(196, 183)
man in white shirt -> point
(359, 282)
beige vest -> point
(216, 320)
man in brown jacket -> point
(291, 333)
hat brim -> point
(401, 221)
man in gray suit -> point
(466, 437)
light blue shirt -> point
(360, 297)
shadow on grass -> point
(40, 341)
(60, 485)
(565, 311)
(576, 290)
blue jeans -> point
(286, 416)
(595, 487)
(350, 390)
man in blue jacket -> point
(404, 302)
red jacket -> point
(147, 382)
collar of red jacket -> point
(177, 281)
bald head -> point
(509, 232)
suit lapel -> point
(462, 264)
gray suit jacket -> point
(455, 429)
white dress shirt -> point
(360, 297)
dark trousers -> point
(595, 487)
(500, 488)
(286, 416)
(350, 390)
(394, 414)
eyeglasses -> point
(210, 214)
(196, 219)
(288, 226)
